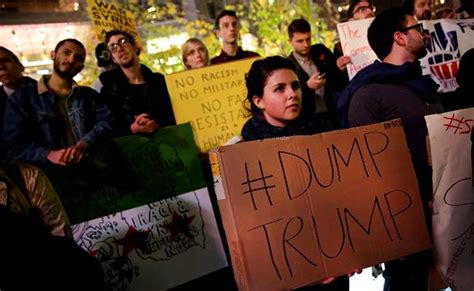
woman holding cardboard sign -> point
(275, 98)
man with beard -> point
(137, 97)
(227, 29)
(395, 88)
(56, 121)
(421, 9)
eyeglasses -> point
(418, 27)
(113, 47)
(362, 9)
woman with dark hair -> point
(275, 98)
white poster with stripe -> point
(156, 246)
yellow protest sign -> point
(107, 16)
(211, 98)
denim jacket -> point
(30, 121)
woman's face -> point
(197, 56)
(281, 100)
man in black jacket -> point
(137, 97)
(227, 29)
(317, 72)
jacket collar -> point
(118, 73)
(237, 53)
(43, 87)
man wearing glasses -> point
(360, 9)
(395, 88)
(137, 97)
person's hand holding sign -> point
(341, 62)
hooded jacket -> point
(409, 74)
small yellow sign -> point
(107, 16)
(214, 160)
(212, 99)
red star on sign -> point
(133, 239)
(94, 252)
(179, 224)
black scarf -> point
(258, 128)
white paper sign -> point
(453, 207)
(449, 39)
(156, 246)
(353, 36)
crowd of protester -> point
(51, 128)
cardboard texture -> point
(297, 210)
(211, 98)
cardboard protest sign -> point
(453, 202)
(151, 225)
(449, 39)
(107, 16)
(297, 210)
(211, 98)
